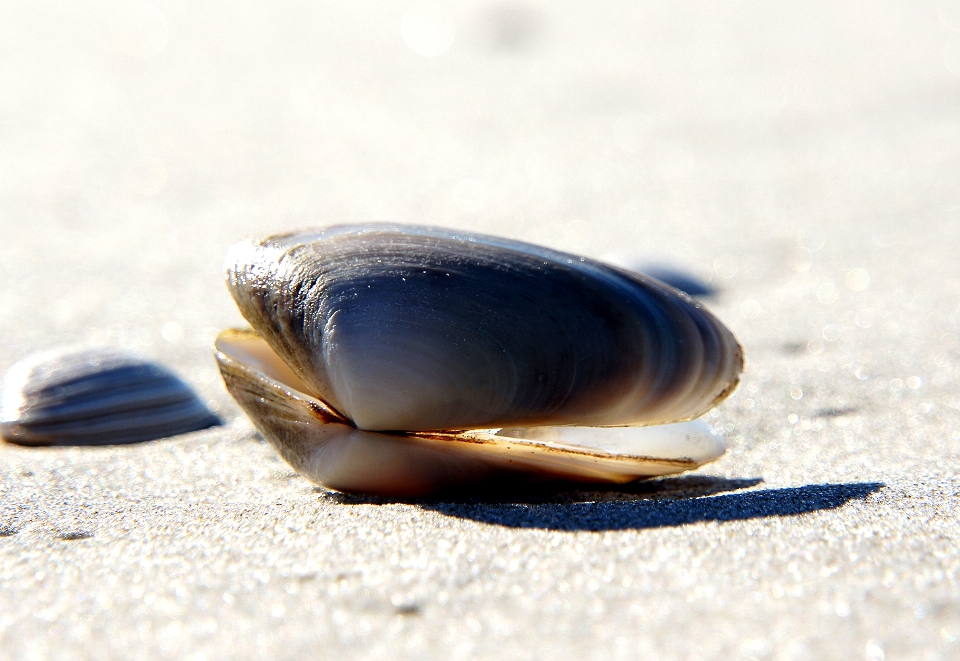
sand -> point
(803, 159)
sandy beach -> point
(802, 159)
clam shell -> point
(401, 360)
(330, 451)
(424, 329)
(96, 397)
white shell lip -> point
(694, 441)
(327, 449)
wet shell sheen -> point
(96, 397)
(424, 329)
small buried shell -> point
(96, 397)
(423, 333)
(681, 280)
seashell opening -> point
(393, 359)
(329, 450)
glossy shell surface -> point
(96, 397)
(400, 360)
(418, 329)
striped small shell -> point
(96, 397)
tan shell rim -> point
(603, 465)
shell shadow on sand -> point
(658, 503)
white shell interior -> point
(337, 455)
(694, 440)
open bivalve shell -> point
(400, 360)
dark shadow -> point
(793, 348)
(835, 412)
(74, 535)
(654, 510)
(655, 503)
(511, 491)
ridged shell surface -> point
(418, 328)
(96, 397)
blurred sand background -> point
(802, 157)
